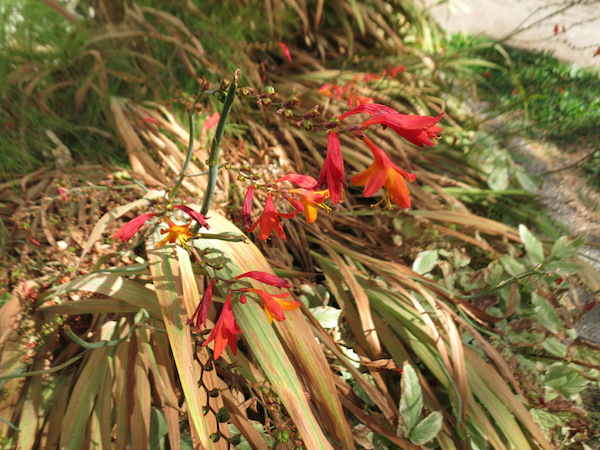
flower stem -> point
(215, 148)
(190, 151)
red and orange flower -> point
(384, 173)
(225, 331)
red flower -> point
(127, 231)
(176, 233)
(264, 277)
(274, 305)
(209, 123)
(420, 130)
(310, 200)
(285, 50)
(201, 313)
(269, 220)
(396, 70)
(326, 89)
(383, 172)
(225, 331)
(332, 171)
(247, 208)
(194, 215)
(303, 181)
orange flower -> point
(310, 200)
(384, 173)
(274, 305)
(269, 220)
(176, 233)
(225, 331)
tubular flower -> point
(225, 331)
(274, 305)
(201, 313)
(332, 171)
(247, 208)
(285, 50)
(269, 220)
(383, 172)
(304, 181)
(419, 130)
(127, 231)
(176, 233)
(209, 123)
(264, 277)
(310, 200)
(194, 215)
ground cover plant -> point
(301, 253)
(549, 100)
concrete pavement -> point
(568, 28)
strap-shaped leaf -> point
(164, 268)
(266, 346)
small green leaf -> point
(562, 268)
(532, 245)
(565, 380)
(528, 182)
(327, 316)
(425, 261)
(411, 399)
(427, 429)
(566, 247)
(498, 179)
(555, 348)
(545, 313)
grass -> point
(554, 101)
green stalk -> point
(213, 157)
(215, 148)
(190, 150)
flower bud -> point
(269, 90)
(307, 125)
(220, 95)
(204, 85)
(266, 102)
(245, 91)
(224, 84)
(198, 107)
(223, 415)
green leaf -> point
(532, 245)
(565, 380)
(158, 429)
(545, 313)
(327, 316)
(562, 268)
(411, 399)
(566, 247)
(528, 182)
(427, 429)
(555, 348)
(425, 261)
(498, 179)
(547, 421)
